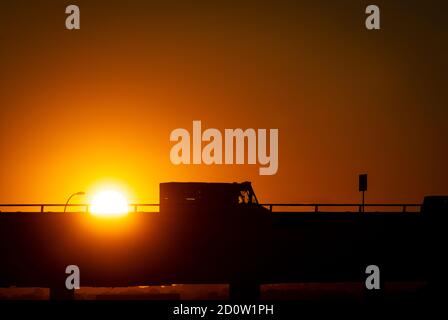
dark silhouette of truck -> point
(202, 194)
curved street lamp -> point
(80, 193)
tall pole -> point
(362, 188)
(362, 201)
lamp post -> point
(80, 193)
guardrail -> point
(84, 207)
(271, 206)
(404, 207)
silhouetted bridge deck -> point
(244, 247)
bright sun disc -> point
(109, 203)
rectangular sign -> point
(363, 182)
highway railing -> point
(51, 207)
(349, 207)
(273, 207)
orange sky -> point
(82, 108)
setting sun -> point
(109, 203)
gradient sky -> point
(79, 109)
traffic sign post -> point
(362, 187)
